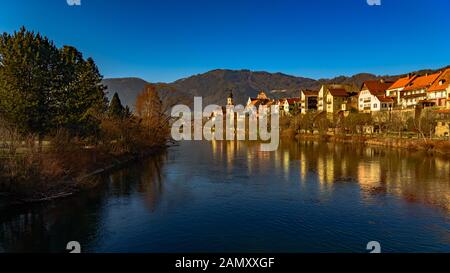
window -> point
(375, 105)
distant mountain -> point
(127, 88)
(214, 86)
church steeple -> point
(230, 100)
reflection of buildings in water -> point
(325, 170)
(286, 161)
(414, 178)
(368, 152)
(277, 160)
(230, 151)
(369, 173)
(250, 162)
(226, 151)
(330, 171)
(303, 166)
(214, 148)
(345, 167)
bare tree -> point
(425, 123)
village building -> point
(395, 91)
(443, 123)
(372, 97)
(223, 109)
(439, 92)
(261, 99)
(333, 98)
(336, 100)
(415, 93)
(290, 106)
(308, 101)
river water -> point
(231, 197)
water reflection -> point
(414, 177)
(229, 196)
(48, 227)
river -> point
(231, 197)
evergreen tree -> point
(81, 92)
(116, 109)
(128, 113)
(43, 88)
(28, 67)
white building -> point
(372, 97)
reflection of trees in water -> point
(49, 227)
(415, 177)
(151, 181)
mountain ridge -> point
(215, 85)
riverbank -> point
(434, 147)
(66, 175)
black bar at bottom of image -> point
(218, 262)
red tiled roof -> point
(402, 82)
(422, 82)
(258, 102)
(442, 83)
(340, 92)
(293, 100)
(385, 99)
(377, 87)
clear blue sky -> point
(166, 40)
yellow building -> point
(334, 97)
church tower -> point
(230, 101)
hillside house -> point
(415, 93)
(440, 90)
(372, 97)
(290, 105)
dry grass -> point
(28, 172)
